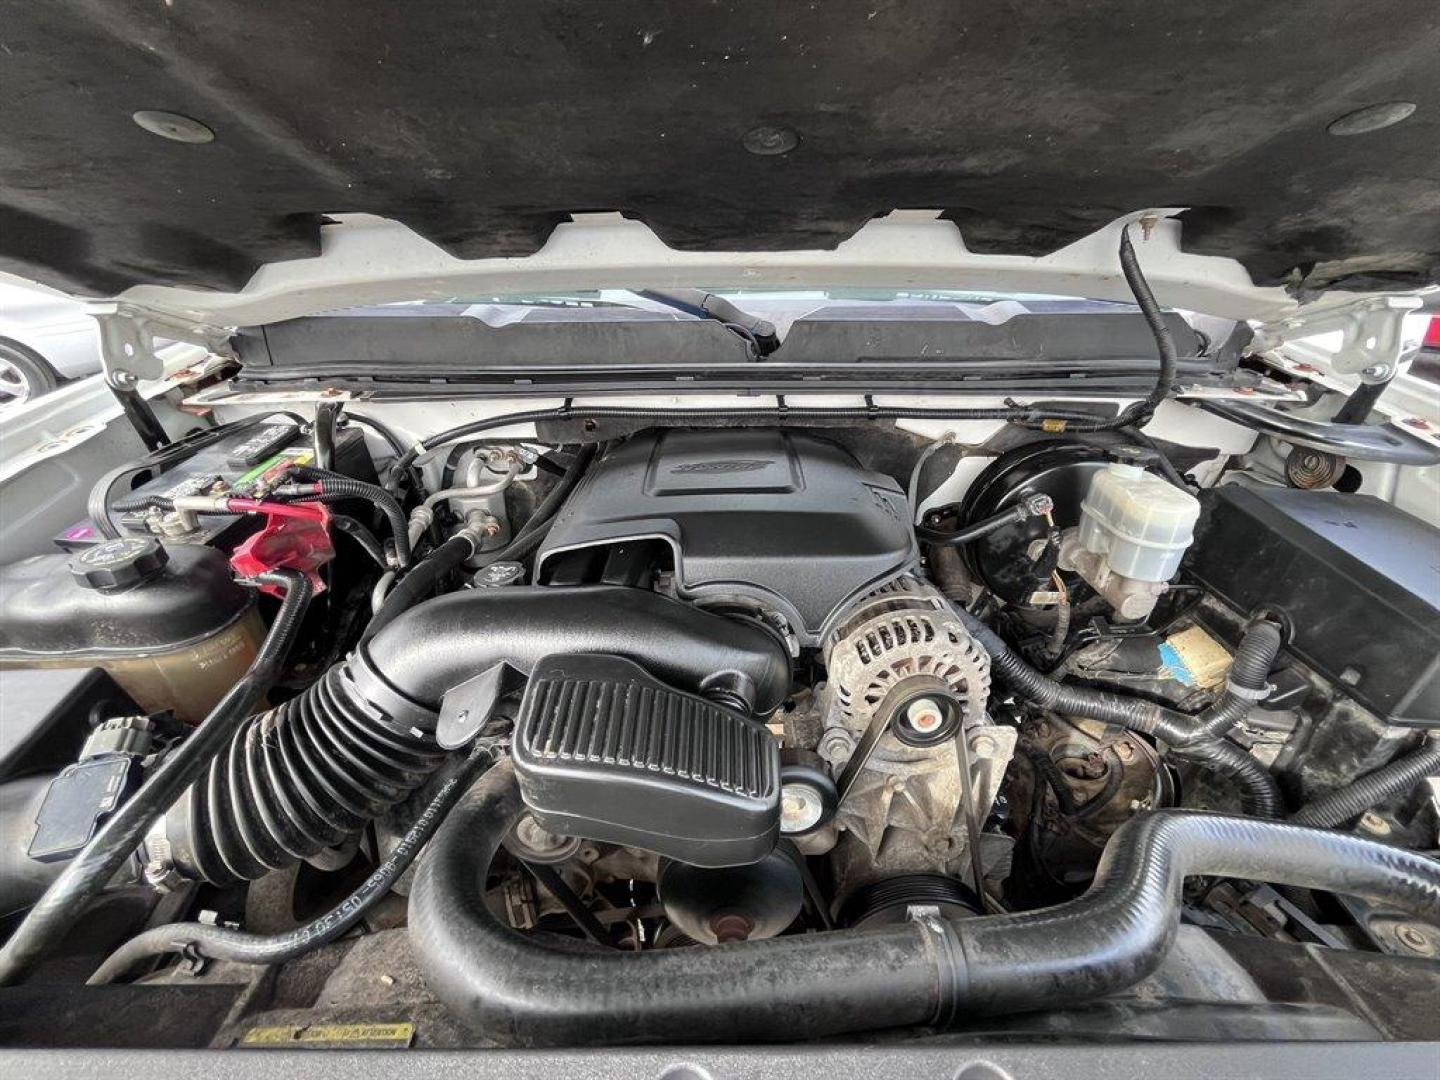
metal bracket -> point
(127, 340)
(1372, 334)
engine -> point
(620, 740)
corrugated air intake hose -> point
(310, 774)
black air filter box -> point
(605, 752)
(1356, 580)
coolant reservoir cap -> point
(119, 564)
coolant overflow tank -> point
(171, 626)
(1134, 529)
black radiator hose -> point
(925, 972)
(1196, 738)
(313, 772)
(1349, 802)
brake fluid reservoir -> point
(1140, 524)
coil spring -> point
(296, 780)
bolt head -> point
(1414, 939)
(1374, 824)
(925, 715)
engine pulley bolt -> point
(925, 715)
(529, 832)
(801, 808)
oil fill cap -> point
(119, 564)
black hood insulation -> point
(749, 124)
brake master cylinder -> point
(1134, 529)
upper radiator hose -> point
(313, 772)
(925, 972)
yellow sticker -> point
(1053, 426)
(334, 1036)
(1206, 660)
(270, 1036)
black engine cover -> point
(778, 519)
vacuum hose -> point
(924, 972)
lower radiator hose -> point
(925, 972)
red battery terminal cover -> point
(295, 536)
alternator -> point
(901, 658)
(899, 633)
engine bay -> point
(644, 730)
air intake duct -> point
(295, 781)
(604, 751)
(310, 774)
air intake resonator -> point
(604, 751)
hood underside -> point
(749, 126)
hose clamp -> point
(390, 707)
(157, 860)
(1245, 693)
(952, 982)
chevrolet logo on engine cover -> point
(742, 465)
